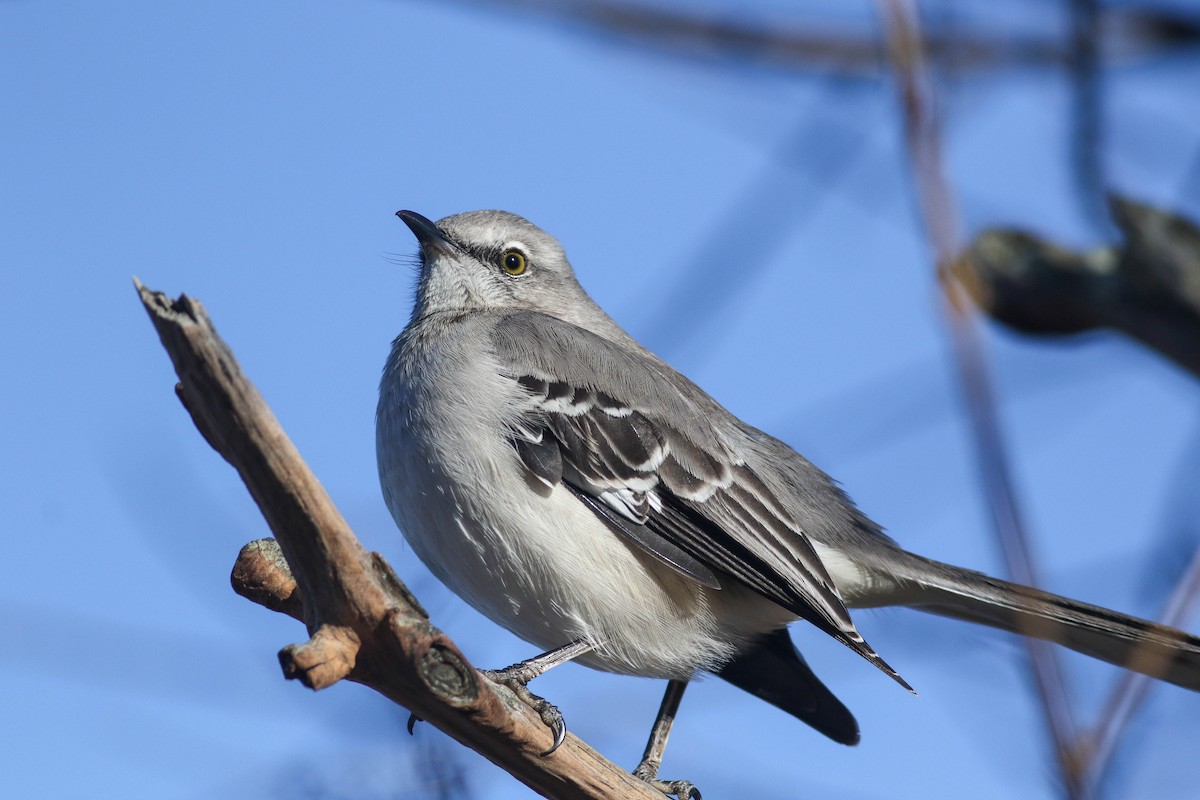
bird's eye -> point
(513, 262)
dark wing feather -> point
(542, 457)
(648, 540)
(683, 496)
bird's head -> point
(491, 261)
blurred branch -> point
(364, 624)
(1148, 287)
(1129, 31)
(1088, 117)
(938, 214)
(1098, 748)
(755, 224)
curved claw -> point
(413, 719)
(683, 790)
(551, 716)
(558, 727)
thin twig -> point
(700, 34)
(939, 218)
(1132, 687)
(1087, 96)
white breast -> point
(532, 559)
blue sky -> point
(752, 225)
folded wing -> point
(646, 450)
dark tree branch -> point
(364, 624)
(1087, 118)
(1148, 287)
(1122, 33)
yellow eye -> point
(513, 262)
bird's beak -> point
(428, 234)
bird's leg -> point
(647, 770)
(519, 675)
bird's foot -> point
(683, 790)
(517, 678)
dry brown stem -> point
(364, 624)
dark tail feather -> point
(1126, 641)
(773, 669)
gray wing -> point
(646, 450)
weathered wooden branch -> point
(363, 623)
(1147, 287)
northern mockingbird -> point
(574, 488)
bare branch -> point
(1131, 689)
(364, 624)
(1126, 33)
(1148, 288)
(940, 219)
(1087, 118)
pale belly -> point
(542, 565)
(535, 560)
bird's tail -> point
(1147, 647)
(773, 670)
